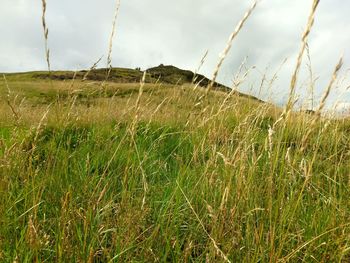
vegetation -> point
(120, 165)
(160, 74)
(97, 173)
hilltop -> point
(166, 74)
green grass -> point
(165, 180)
(162, 171)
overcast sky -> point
(179, 33)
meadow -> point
(132, 168)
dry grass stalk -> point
(32, 234)
(91, 68)
(270, 141)
(229, 44)
(330, 85)
(266, 82)
(293, 82)
(110, 47)
(133, 130)
(46, 35)
(312, 79)
(195, 77)
(137, 104)
(142, 85)
(295, 251)
(218, 250)
(40, 124)
(144, 180)
(237, 79)
(14, 112)
(322, 104)
(305, 36)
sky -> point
(179, 33)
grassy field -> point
(97, 171)
(114, 165)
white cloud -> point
(343, 107)
(177, 32)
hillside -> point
(116, 171)
(166, 74)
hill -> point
(166, 74)
(95, 171)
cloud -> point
(343, 107)
(179, 32)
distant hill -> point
(173, 75)
(167, 74)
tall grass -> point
(147, 173)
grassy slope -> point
(165, 74)
(108, 175)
